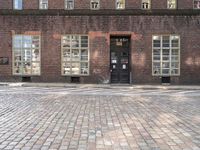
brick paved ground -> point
(32, 118)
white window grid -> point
(170, 61)
(120, 4)
(69, 4)
(24, 49)
(95, 4)
(43, 4)
(79, 49)
(146, 4)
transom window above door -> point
(146, 4)
(120, 4)
(43, 4)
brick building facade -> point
(133, 44)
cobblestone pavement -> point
(94, 119)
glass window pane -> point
(66, 68)
(165, 41)
(75, 68)
(35, 55)
(165, 71)
(84, 41)
(174, 65)
(17, 68)
(84, 55)
(84, 68)
(26, 55)
(17, 41)
(175, 52)
(66, 54)
(66, 41)
(27, 41)
(75, 41)
(17, 55)
(26, 67)
(156, 68)
(75, 55)
(35, 42)
(36, 68)
(165, 65)
(175, 71)
(175, 41)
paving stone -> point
(50, 118)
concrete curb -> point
(104, 86)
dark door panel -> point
(119, 60)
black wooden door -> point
(119, 59)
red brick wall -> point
(104, 4)
(99, 29)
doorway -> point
(120, 59)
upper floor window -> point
(69, 4)
(197, 4)
(43, 4)
(171, 4)
(17, 4)
(94, 4)
(146, 4)
(120, 4)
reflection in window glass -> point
(166, 51)
(26, 52)
(75, 55)
(17, 4)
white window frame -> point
(15, 6)
(194, 5)
(95, 1)
(66, 5)
(170, 55)
(170, 2)
(43, 3)
(78, 48)
(117, 2)
(21, 49)
(149, 4)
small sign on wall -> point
(4, 61)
